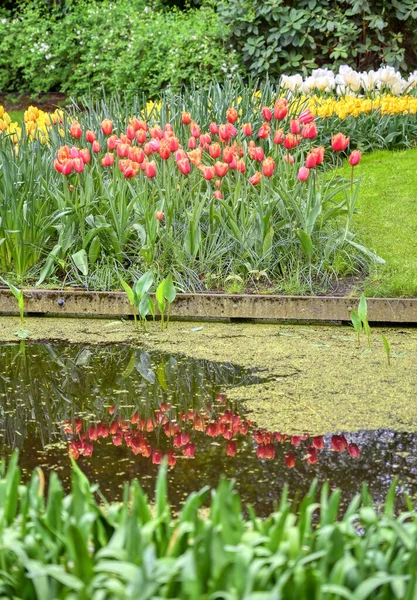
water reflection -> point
(118, 411)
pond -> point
(119, 409)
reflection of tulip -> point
(318, 442)
(171, 458)
(212, 429)
(312, 456)
(231, 448)
(156, 457)
(117, 439)
(338, 443)
(295, 440)
(189, 450)
(290, 460)
(354, 451)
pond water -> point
(118, 410)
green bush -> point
(54, 546)
(287, 36)
(122, 44)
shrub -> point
(57, 546)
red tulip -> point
(306, 116)
(217, 194)
(354, 451)
(186, 118)
(247, 129)
(226, 132)
(150, 169)
(75, 130)
(281, 109)
(340, 142)
(218, 183)
(255, 179)
(290, 460)
(112, 142)
(214, 128)
(171, 458)
(136, 154)
(58, 165)
(156, 132)
(189, 450)
(173, 143)
(180, 154)
(319, 154)
(164, 151)
(78, 165)
(85, 155)
(241, 167)
(184, 166)
(108, 160)
(90, 136)
(258, 153)
(221, 168)
(318, 442)
(231, 115)
(156, 457)
(338, 443)
(311, 160)
(278, 137)
(205, 140)
(264, 131)
(215, 150)
(140, 136)
(231, 448)
(117, 439)
(312, 456)
(122, 150)
(195, 129)
(303, 174)
(106, 126)
(208, 172)
(291, 141)
(309, 131)
(228, 154)
(295, 440)
(96, 146)
(295, 126)
(268, 166)
(354, 158)
(266, 113)
(192, 143)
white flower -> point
(293, 83)
(348, 78)
(369, 80)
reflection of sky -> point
(119, 411)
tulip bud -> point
(192, 143)
(85, 155)
(306, 117)
(221, 169)
(215, 150)
(290, 460)
(354, 158)
(231, 448)
(264, 131)
(159, 215)
(288, 158)
(303, 174)
(90, 136)
(266, 113)
(309, 131)
(241, 167)
(217, 194)
(140, 136)
(112, 142)
(280, 109)
(311, 160)
(107, 126)
(130, 132)
(184, 166)
(195, 129)
(268, 166)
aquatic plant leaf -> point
(356, 321)
(363, 308)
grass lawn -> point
(387, 222)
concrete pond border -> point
(203, 306)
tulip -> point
(107, 126)
(258, 153)
(148, 150)
(215, 150)
(309, 131)
(189, 450)
(338, 443)
(266, 113)
(295, 126)
(184, 166)
(306, 117)
(112, 142)
(195, 157)
(195, 129)
(218, 195)
(75, 130)
(289, 158)
(318, 442)
(264, 131)
(311, 160)
(78, 165)
(90, 136)
(150, 169)
(303, 174)
(340, 142)
(214, 128)
(231, 448)
(186, 118)
(290, 460)
(354, 158)
(295, 440)
(140, 136)
(108, 160)
(319, 154)
(255, 179)
(280, 109)
(171, 458)
(221, 168)
(212, 430)
(156, 457)
(291, 141)
(117, 439)
(85, 155)
(64, 153)
(156, 132)
(58, 165)
(231, 115)
(96, 146)
(136, 154)
(208, 172)
(268, 166)
(226, 132)
(247, 129)
(354, 451)
(164, 151)
(228, 154)
(241, 167)
(192, 143)
(312, 456)
(130, 171)
(205, 140)
(180, 154)
(135, 123)
(122, 150)
(279, 137)
(130, 132)
(173, 143)
(218, 183)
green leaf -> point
(94, 250)
(356, 321)
(81, 261)
(169, 290)
(306, 242)
(143, 285)
(363, 308)
(129, 292)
